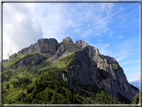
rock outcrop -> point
(33, 59)
(66, 47)
(90, 68)
(81, 43)
(43, 46)
(13, 56)
(4, 60)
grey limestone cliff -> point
(81, 43)
(33, 59)
(90, 68)
(4, 60)
(66, 47)
(43, 46)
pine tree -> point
(7, 86)
(136, 99)
(74, 98)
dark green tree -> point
(136, 99)
(7, 86)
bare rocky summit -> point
(90, 68)
(66, 47)
(43, 46)
(81, 43)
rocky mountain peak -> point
(45, 40)
(87, 67)
(67, 40)
(81, 43)
(47, 45)
(42, 45)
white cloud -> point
(77, 30)
(28, 21)
(130, 62)
(25, 23)
(136, 76)
(125, 49)
(118, 59)
(120, 37)
(69, 20)
(106, 45)
(89, 21)
(51, 19)
(108, 8)
(103, 48)
(126, 15)
(20, 29)
(110, 34)
(86, 33)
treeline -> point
(48, 89)
(7, 74)
(22, 82)
(96, 96)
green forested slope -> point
(40, 84)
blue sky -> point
(111, 27)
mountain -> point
(135, 83)
(66, 72)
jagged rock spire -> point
(67, 39)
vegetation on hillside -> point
(136, 99)
(115, 66)
(40, 84)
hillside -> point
(49, 72)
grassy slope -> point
(28, 86)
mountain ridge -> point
(136, 83)
(87, 66)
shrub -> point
(115, 66)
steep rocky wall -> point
(90, 67)
(81, 43)
(43, 46)
(66, 47)
(34, 59)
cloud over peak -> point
(20, 29)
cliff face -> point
(43, 46)
(81, 43)
(90, 68)
(34, 59)
(66, 47)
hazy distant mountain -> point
(66, 72)
(135, 83)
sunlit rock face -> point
(33, 59)
(66, 47)
(81, 43)
(90, 68)
(42, 45)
